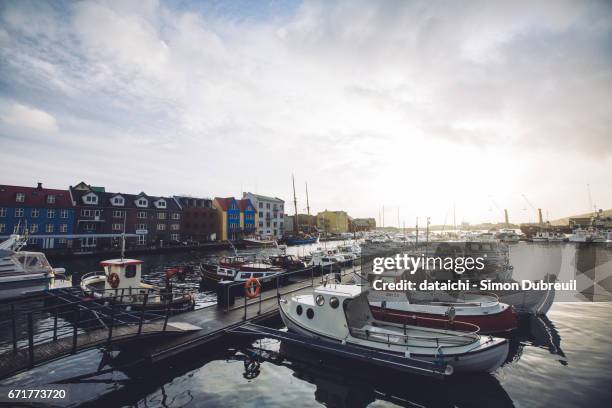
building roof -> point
(242, 204)
(262, 197)
(34, 196)
(104, 200)
(225, 202)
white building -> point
(269, 214)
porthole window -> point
(299, 310)
(334, 302)
(320, 300)
(310, 313)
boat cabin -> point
(129, 272)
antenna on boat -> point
(296, 227)
(308, 207)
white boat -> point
(581, 235)
(508, 236)
(121, 280)
(341, 314)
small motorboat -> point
(121, 281)
(341, 314)
(482, 310)
(301, 239)
(258, 242)
(26, 272)
(287, 262)
(237, 269)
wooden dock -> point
(172, 335)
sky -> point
(417, 106)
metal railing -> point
(71, 318)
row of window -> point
(33, 228)
(89, 242)
(34, 212)
(20, 198)
(261, 224)
(270, 215)
(275, 207)
(87, 212)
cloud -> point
(343, 93)
(21, 116)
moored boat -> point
(341, 314)
(482, 310)
(121, 281)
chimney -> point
(540, 216)
(39, 186)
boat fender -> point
(440, 356)
(252, 288)
(113, 280)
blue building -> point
(48, 214)
(229, 218)
(247, 217)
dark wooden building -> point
(199, 219)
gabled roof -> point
(244, 203)
(225, 202)
(34, 197)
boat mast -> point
(308, 207)
(296, 227)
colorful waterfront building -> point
(229, 218)
(47, 214)
(247, 217)
(333, 222)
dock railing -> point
(69, 322)
(272, 287)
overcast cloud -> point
(413, 105)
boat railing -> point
(433, 341)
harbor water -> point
(559, 360)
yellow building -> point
(333, 222)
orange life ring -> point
(249, 291)
(113, 280)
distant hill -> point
(565, 221)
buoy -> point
(252, 287)
(113, 280)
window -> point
(161, 204)
(174, 237)
(142, 239)
(261, 214)
(141, 214)
(118, 201)
(161, 227)
(33, 228)
(260, 205)
(268, 205)
(116, 227)
(89, 242)
(61, 241)
(49, 228)
(63, 227)
(117, 214)
(63, 213)
(90, 213)
(261, 224)
(141, 227)
(130, 271)
(3, 212)
(91, 199)
(89, 227)
(161, 215)
(20, 197)
(142, 202)
(51, 199)
(51, 213)
(18, 212)
(176, 216)
(2, 227)
(175, 227)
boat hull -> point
(502, 322)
